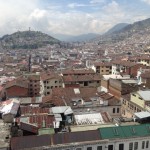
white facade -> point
(141, 143)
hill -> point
(27, 40)
(136, 30)
(117, 28)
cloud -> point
(146, 1)
(73, 5)
(65, 18)
(97, 1)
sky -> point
(71, 17)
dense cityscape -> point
(92, 93)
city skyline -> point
(70, 17)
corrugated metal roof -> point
(72, 137)
(18, 143)
(145, 95)
(29, 127)
(143, 114)
(62, 109)
(125, 131)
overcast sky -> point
(72, 17)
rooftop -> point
(145, 95)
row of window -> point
(132, 146)
(51, 87)
(138, 97)
(54, 82)
(131, 106)
(135, 146)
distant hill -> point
(139, 28)
(27, 40)
(117, 28)
(79, 38)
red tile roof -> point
(70, 78)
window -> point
(47, 87)
(130, 146)
(85, 83)
(110, 147)
(89, 148)
(135, 145)
(99, 147)
(47, 92)
(143, 144)
(147, 144)
(117, 110)
(113, 110)
(121, 146)
(133, 95)
(55, 81)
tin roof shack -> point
(63, 118)
(9, 110)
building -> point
(128, 137)
(135, 102)
(103, 68)
(34, 84)
(17, 88)
(81, 80)
(125, 67)
(50, 81)
(78, 72)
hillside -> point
(117, 28)
(27, 40)
(138, 29)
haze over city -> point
(71, 17)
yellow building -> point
(135, 102)
(103, 68)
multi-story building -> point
(82, 80)
(103, 68)
(50, 81)
(125, 67)
(135, 102)
(34, 84)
